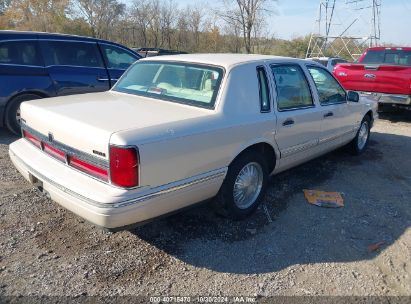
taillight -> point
(124, 163)
(56, 153)
(88, 168)
(34, 140)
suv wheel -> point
(13, 111)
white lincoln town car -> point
(177, 130)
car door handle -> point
(329, 114)
(102, 79)
(288, 122)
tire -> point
(360, 142)
(13, 111)
(228, 201)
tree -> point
(36, 15)
(101, 15)
(246, 14)
(4, 4)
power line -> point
(359, 26)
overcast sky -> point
(294, 18)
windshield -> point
(396, 57)
(186, 83)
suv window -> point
(329, 90)
(72, 53)
(334, 62)
(20, 52)
(292, 87)
(263, 89)
(117, 58)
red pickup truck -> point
(383, 72)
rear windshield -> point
(186, 83)
(395, 57)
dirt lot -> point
(305, 250)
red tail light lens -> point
(56, 153)
(124, 163)
(34, 140)
(88, 168)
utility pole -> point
(345, 27)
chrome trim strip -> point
(102, 163)
(298, 148)
(180, 185)
(22, 65)
(336, 136)
(153, 192)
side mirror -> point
(353, 96)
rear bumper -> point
(102, 204)
(390, 98)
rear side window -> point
(293, 91)
(395, 57)
(20, 52)
(72, 53)
(117, 58)
(263, 89)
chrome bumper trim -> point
(389, 98)
(153, 193)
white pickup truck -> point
(177, 130)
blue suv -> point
(39, 65)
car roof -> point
(225, 60)
(380, 48)
(11, 34)
(324, 58)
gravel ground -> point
(287, 247)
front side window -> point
(264, 90)
(329, 90)
(293, 90)
(73, 53)
(170, 81)
(20, 52)
(117, 58)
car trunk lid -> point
(86, 122)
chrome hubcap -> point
(362, 135)
(248, 184)
(18, 116)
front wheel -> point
(244, 186)
(360, 142)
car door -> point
(337, 119)
(298, 118)
(117, 60)
(75, 66)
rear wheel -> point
(360, 142)
(244, 186)
(13, 111)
